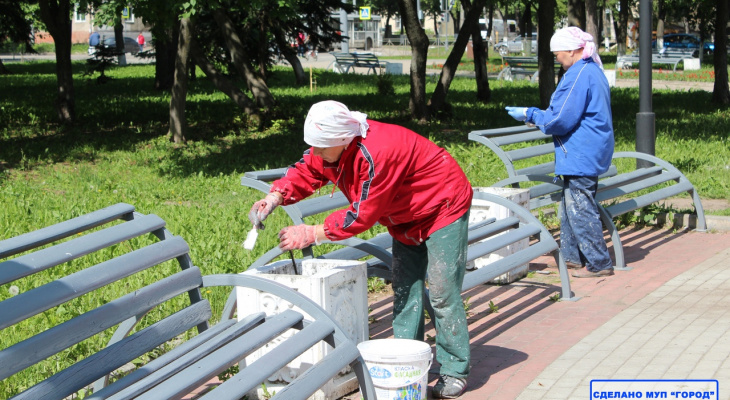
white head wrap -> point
(329, 123)
(573, 38)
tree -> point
(15, 26)
(545, 59)
(56, 14)
(720, 92)
(419, 51)
(577, 13)
(178, 125)
(591, 26)
(621, 25)
(471, 25)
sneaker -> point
(591, 274)
(570, 265)
(448, 387)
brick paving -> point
(536, 348)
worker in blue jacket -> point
(579, 120)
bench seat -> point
(620, 192)
(119, 289)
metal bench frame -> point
(618, 192)
(521, 67)
(191, 363)
(348, 61)
(666, 57)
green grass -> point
(118, 152)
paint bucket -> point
(399, 367)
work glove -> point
(262, 208)
(518, 113)
(297, 237)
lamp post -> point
(645, 118)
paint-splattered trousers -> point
(581, 230)
(443, 257)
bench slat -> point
(532, 151)
(46, 258)
(646, 183)
(255, 373)
(42, 298)
(258, 332)
(649, 198)
(547, 168)
(501, 266)
(30, 240)
(480, 249)
(105, 361)
(315, 205)
(163, 360)
(266, 175)
(45, 344)
(315, 377)
(628, 177)
(492, 229)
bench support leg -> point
(618, 249)
(701, 223)
(567, 294)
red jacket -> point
(394, 176)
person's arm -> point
(566, 109)
(301, 180)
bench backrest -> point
(93, 275)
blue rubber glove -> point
(518, 113)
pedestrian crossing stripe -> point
(364, 12)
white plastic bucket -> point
(399, 367)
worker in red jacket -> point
(393, 176)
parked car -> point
(514, 46)
(686, 41)
(130, 45)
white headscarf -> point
(330, 123)
(573, 38)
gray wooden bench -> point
(667, 56)
(528, 156)
(128, 288)
(521, 67)
(485, 237)
(349, 61)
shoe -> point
(570, 265)
(591, 274)
(448, 387)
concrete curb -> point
(714, 222)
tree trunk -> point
(577, 13)
(3, 69)
(621, 25)
(55, 14)
(419, 52)
(471, 24)
(178, 124)
(592, 21)
(291, 57)
(484, 92)
(661, 14)
(240, 60)
(222, 83)
(165, 51)
(119, 40)
(545, 58)
(720, 92)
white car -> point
(514, 46)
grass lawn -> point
(119, 152)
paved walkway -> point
(667, 318)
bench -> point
(484, 237)
(520, 67)
(104, 291)
(666, 56)
(528, 156)
(344, 62)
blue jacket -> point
(579, 119)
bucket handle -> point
(415, 380)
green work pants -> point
(443, 257)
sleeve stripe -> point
(351, 217)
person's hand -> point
(518, 113)
(262, 208)
(297, 237)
